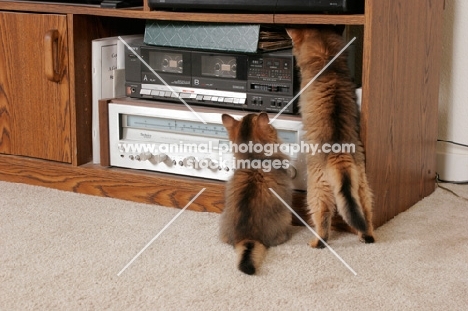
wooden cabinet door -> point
(34, 86)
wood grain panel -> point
(37, 109)
(137, 186)
(400, 97)
(126, 184)
(5, 112)
(104, 132)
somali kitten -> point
(336, 181)
(253, 218)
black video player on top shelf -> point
(103, 3)
(265, 6)
(71, 1)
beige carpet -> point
(63, 251)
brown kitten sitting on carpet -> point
(336, 181)
(254, 219)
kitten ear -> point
(290, 32)
(295, 34)
(228, 121)
(262, 120)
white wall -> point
(453, 100)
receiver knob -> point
(144, 156)
(160, 157)
(190, 161)
(205, 162)
(292, 172)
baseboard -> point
(452, 162)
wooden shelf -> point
(140, 13)
(125, 184)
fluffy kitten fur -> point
(336, 182)
(253, 218)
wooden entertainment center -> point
(46, 99)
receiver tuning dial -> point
(144, 156)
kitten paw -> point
(367, 239)
(317, 244)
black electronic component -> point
(243, 81)
(265, 6)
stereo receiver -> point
(255, 82)
(168, 138)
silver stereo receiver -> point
(168, 138)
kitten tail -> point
(251, 254)
(347, 197)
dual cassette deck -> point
(254, 82)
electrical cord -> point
(452, 142)
(448, 190)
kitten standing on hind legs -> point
(253, 219)
(336, 181)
